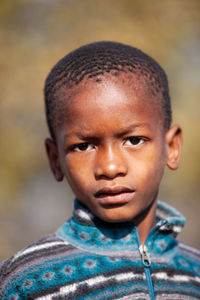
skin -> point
(112, 148)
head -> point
(94, 61)
(109, 115)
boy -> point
(109, 115)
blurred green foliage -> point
(34, 34)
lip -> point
(114, 195)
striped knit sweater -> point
(90, 259)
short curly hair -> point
(96, 59)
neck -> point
(146, 221)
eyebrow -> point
(132, 127)
(86, 135)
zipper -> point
(146, 263)
(144, 255)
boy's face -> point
(112, 148)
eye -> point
(134, 141)
(82, 147)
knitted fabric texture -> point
(91, 259)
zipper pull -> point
(145, 258)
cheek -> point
(76, 173)
(149, 168)
(156, 171)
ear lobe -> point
(174, 145)
(52, 153)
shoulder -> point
(41, 249)
(188, 258)
(36, 256)
(189, 252)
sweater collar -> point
(86, 231)
(167, 218)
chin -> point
(116, 217)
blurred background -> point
(34, 34)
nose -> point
(110, 163)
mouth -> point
(114, 196)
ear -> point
(52, 153)
(174, 145)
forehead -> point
(125, 80)
(129, 84)
(109, 96)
